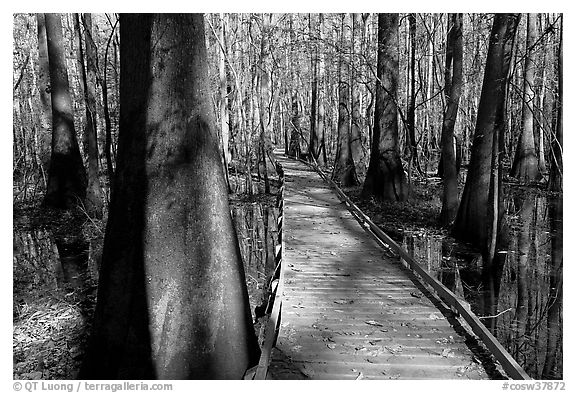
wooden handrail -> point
(509, 364)
(271, 328)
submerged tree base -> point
(51, 318)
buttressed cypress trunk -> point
(344, 170)
(385, 178)
(525, 165)
(172, 300)
(66, 186)
(472, 221)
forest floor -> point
(51, 312)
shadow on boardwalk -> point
(352, 311)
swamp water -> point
(55, 285)
(57, 279)
(521, 303)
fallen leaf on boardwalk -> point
(374, 323)
(343, 301)
(374, 342)
(416, 294)
(332, 253)
(447, 353)
(331, 346)
(434, 316)
(360, 376)
(394, 348)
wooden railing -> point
(276, 288)
(508, 363)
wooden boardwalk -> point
(349, 309)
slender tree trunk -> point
(472, 223)
(344, 169)
(67, 177)
(313, 146)
(224, 116)
(555, 183)
(453, 90)
(525, 165)
(321, 114)
(172, 298)
(355, 115)
(294, 149)
(411, 143)
(385, 178)
(265, 97)
(93, 191)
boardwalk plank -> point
(350, 310)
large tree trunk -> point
(45, 114)
(472, 223)
(453, 90)
(525, 165)
(93, 191)
(385, 178)
(344, 168)
(67, 177)
(172, 298)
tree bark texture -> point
(344, 168)
(355, 113)
(385, 178)
(525, 165)
(472, 221)
(453, 90)
(555, 183)
(66, 186)
(93, 202)
(45, 110)
(172, 300)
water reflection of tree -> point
(257, 233)
(526, 313)
(524, 204)
(553, 362)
